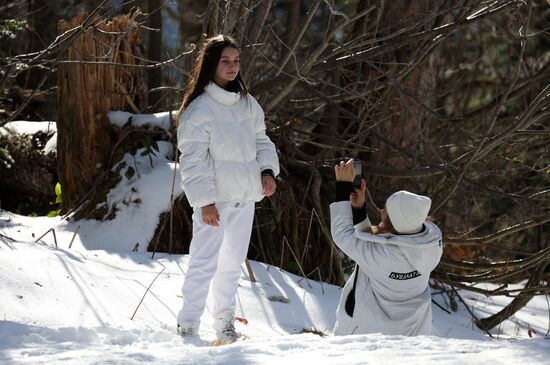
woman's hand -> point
(210, 215)
(357, 198)
(345, 171)
(269, 185)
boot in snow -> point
(188, 329)
(225, 329)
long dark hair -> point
(205, 70)
(385, 226)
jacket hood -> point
(422, 250)
(429, 237)
(221, 95)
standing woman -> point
(388, 292)
(227, 164)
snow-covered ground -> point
(61, 305)
(28, 128)
(74, 306)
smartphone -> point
(357, 179)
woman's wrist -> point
(359, 214)
(343, 190)
(268, 172)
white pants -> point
(216, 254)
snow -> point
(51, 145)
(139, 201)
(161, 120)
(62, 305)
(29, 128)
(26, 127)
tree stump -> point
(87, 88)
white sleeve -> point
(361, 226)
(368, 255)
(266, 154)
(196, 165)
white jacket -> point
(392, 295)
(224, 148)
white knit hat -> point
(407, 211)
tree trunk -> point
(86, 92)
(292, 21)
(154, 77)
(515, 305)
(40, 24)
(190, 22)
(409, 120)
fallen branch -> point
(146, 291)
(250, 272)
(48, 231)
(74, 236)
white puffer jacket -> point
(392, 295)
(224, 148)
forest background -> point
(445, 98)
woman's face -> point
(228, 66)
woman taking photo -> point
(227, 164)
(388, 292)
